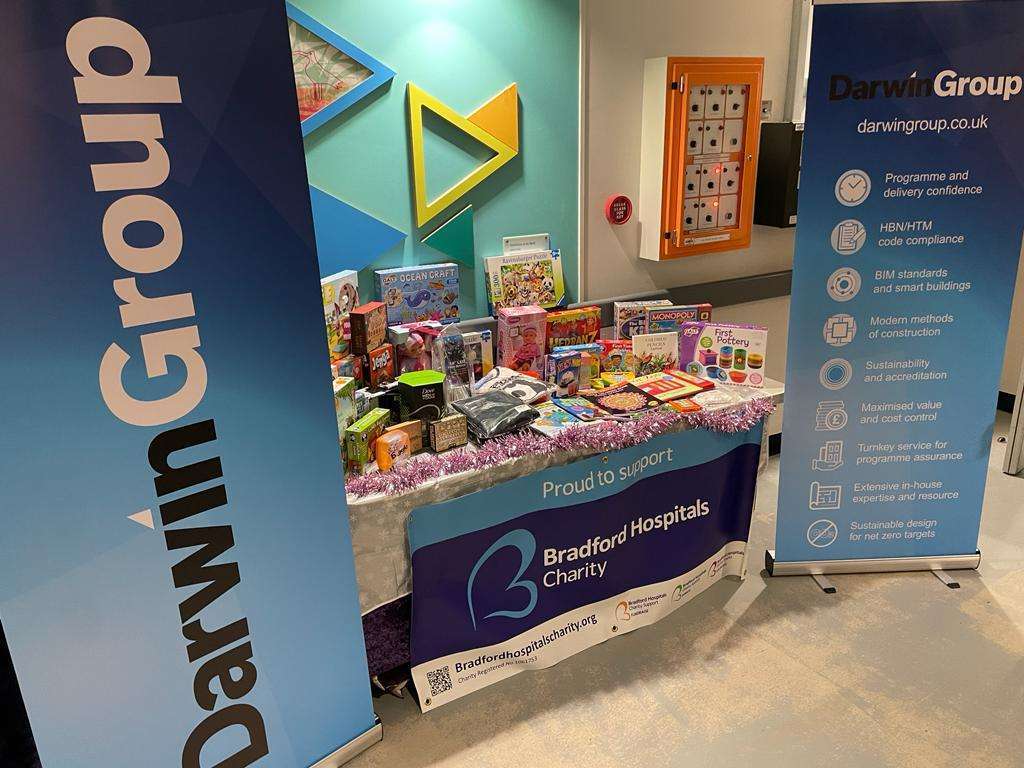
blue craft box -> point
(416, 294)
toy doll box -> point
(724, 352)
(521, 332)
(415, 294)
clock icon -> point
(853, 187)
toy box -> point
(341, 295)
(414, 294)
(360, 438)
(350, 366)
(663, 319)
(728, 353)
(573, 326)
(654, 352)
(380, 365)
(665, 385)
(617, 356)
(521, 332)
(524, 279)
(479, 352)
(562, 370)
(344, 405)
(392, 448)
(369, 324)
(590, 361)
(629, 317)
(414, 429)
(449, 432)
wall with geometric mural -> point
(449, 121)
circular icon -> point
(848, 237)
(843, 284)
(822, 533)
(840, 330)
(853, 187)
(835, 373)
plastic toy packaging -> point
(450, 358)
(392, 448)
(495, 413)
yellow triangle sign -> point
(420, 100)
(500, 117)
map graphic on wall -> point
(322, 72)
(331, 74)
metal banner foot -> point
(359, 744)
(822, 581)
(946, 578)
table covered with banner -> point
(524, 552)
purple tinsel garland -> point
(596, 437)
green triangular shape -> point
(454, 238)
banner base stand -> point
(936, 564)
(358, 745)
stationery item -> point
(654, 352)
(392, 448)
(617, 356)
(565, 327)
(450, 357)
(449, 432)
(340, 295)
(369, 327)
(624, 399)
(521, 338)
(612, 378)
(735, 345)
(361, 437)
(665, 386)
(580, 407)
(524, 279)
(661, 319)
(479, 352)
(415, 294)
(344, 405)
(422, 395)
(381, 366)
(526, 388)
(562, 371)
(414, 429)
(629, 317)
(525, 244)
(491, 414)
(552, 419)
(697, 381)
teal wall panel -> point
(463, 52)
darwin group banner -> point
(524, 574)
(176, 578)
(910, 221)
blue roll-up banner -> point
(176, 577)
(524, 574)
(909, 233)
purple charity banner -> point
(524, 574)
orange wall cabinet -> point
(701, 125)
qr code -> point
(440, 680)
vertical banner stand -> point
(906, 251)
